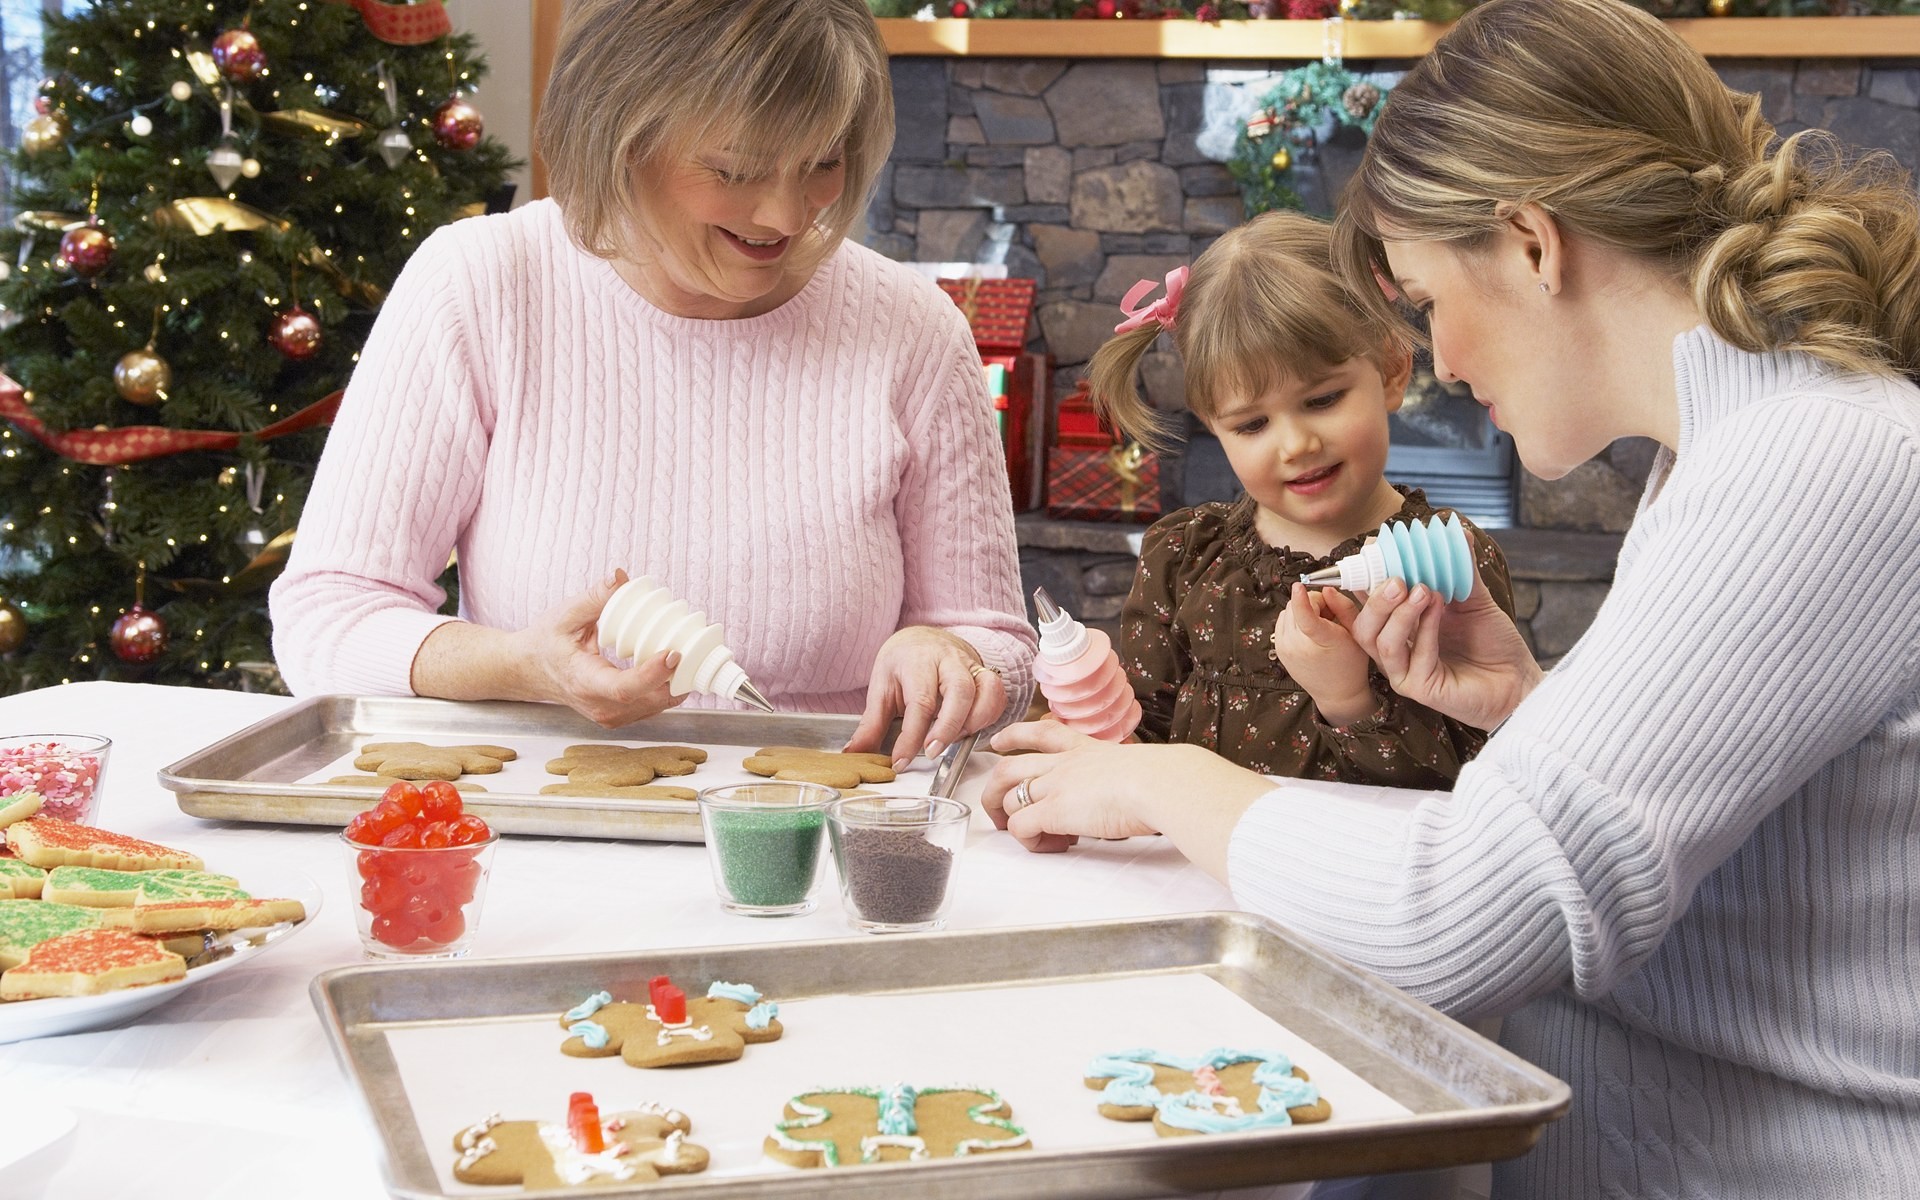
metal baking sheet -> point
(251, 775)
(1467, 1099)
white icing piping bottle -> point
(641, 619)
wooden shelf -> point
(1725, 37)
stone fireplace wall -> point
(1089, 175)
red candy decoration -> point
(656, 985)
(671, 1006)
(583, 1123)
(417, 898)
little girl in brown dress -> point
(1224, 647)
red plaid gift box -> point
(1118, 483)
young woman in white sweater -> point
(1684, 867)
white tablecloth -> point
(231, 1091)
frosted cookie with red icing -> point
(636, 1145)
(50, 842)
(671, 1030)
(89, 962)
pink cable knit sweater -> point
(815, 478)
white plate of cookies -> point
(95, 931)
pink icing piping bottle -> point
(1080, 675)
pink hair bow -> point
(1161, 311)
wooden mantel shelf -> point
(1724, 37)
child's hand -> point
(1322, 656)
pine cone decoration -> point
(1360, 99)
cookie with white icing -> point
(714, 1028)
(636, 1145)
(844, 1126)
(1221, 1091)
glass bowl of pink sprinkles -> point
(65, 768)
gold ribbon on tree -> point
(203, 215)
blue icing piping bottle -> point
(1435, 553)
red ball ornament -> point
(139, 635)
(43, 104)
(86, 251)
(961, 9)
(238, 55)
(457, 124)
(1105, 9)
(1311, 10)
(295, 333)
(1206, 12)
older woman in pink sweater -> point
(678, 366)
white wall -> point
(504, 29)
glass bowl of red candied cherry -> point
(420, 862)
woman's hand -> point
(1322, 656)
(1075, 786)
(1464, 660)
(561, 654)
(937, 685)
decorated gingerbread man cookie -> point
(1221, 1091)
(671, 1030)
(835, 1127)
(636, 1145)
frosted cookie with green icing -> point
(99, 887)
(837, 1127)
(1221, 1091)
(24, 924)
(20, 881)
(18, 806)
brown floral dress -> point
(1196, 637)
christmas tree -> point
(209, 207)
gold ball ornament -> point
(13, 628)
(142, 377)
(1282, 159)
(250, 167)
(1720, 8)
(43, 132)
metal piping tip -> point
(1324, 577)
(1044, 606)
(751, 695)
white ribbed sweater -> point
(1689, 864)
(814, 478)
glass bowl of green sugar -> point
(763, 843)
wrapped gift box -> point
(1120, 482)
(999, 312)
(1094, 476)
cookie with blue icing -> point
(718, 1028)
(844, 1126)
(1221, 1091)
